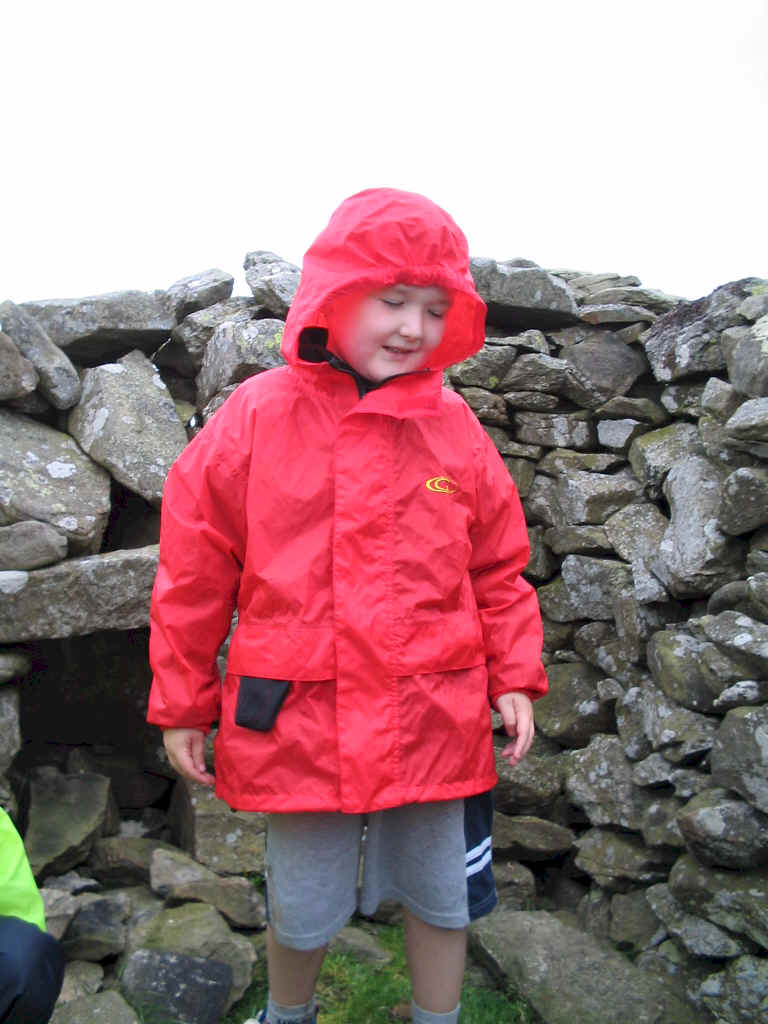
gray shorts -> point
(433, 858)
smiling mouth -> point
(399, 351)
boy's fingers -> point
(186, 753)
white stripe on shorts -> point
(478, 856)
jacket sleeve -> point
(202, 547)
(19, 895)
(508, 606)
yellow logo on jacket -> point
(442, 485)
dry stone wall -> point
(636, 428)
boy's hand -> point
(186, 752)
(517, 711)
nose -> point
(412, 323)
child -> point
(31, 960)
(371, 538)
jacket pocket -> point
(258, 702)
(282, 652)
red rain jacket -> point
(372, 547)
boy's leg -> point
(292, 972)
(436, 959)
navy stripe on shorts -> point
(478, 822)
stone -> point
(197, 291)
(736, 901)
(486, 369)
(30, 545)
(535, 371)
(97, 931)
(739, 756)
(191, 989)
(658, 302)
(541, 565)
(699, 936)
(123, 860)
(739, 637)
(633, 925)
(515, 885)
(529, 787)
(747, 429)
(720, 399)
(522, 295)
(695, 556)
(528, 341)
(655, 771)
(522, 472)
(361, 945)
(67, 814)
(658, 825)
(636, 531)
(739, 993)
(599, 369)
(45, 476)
(585, 590)
(722, 831)
(683, 400)
(578, 540)
(272, 280)
(10, 729)
(113, 592)
(757, 558)
(593, 497)
(60, 907)
(686, 341)
(102, 1008)
(692, 671)
(490, 409)
(529, 838)
(599, 780)
(562, 972)
(127, 422)
(652, 455)
(13, 664)
(198, 930)
(648, 721)
(238, 350)
(615, 313)
(226, 841)
(178, 878)
(80, 979)
(746, 691)
(555, 430)
(530, 401)
(18, 377)
(571, 711)
(617, 860)
(101, 328)
(57, 378)
(185, 349)
(618, 435)
(563, 462)
(745, 359)
(644, 410)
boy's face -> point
(390, 331)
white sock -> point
(419, 1016)
(278, 1014)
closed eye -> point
(391, 302)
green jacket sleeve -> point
(19, 895)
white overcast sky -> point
(146, 141)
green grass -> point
(355, 991)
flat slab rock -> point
(78, 596)
(563, 973)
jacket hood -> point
(378, 238)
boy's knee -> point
(31, 972)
